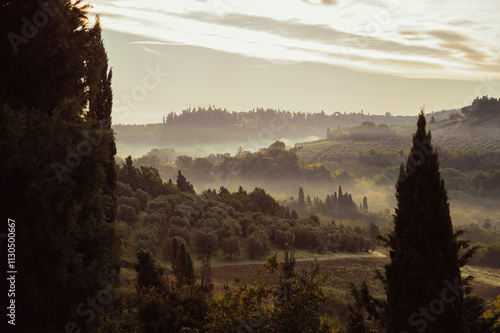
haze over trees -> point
(104, 245)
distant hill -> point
(450, 137)
(256, 128)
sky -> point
(300, 55)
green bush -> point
(126, 214)
(206, 240)
(231, 246)
(129, 201)
(258, 245)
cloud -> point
(458, 43)
(318, 31)
(155, 42)
(324, 2)
(448, 36)
(470, 53)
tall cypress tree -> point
(58, 178)
(423, 278)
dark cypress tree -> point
(59, 178)
(424, 286)
(302, 203)
(301, 196)
(174, 259)
(185, 272)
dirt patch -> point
(340, 272)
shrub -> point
(205, 240)
(230, 246)
(183, 232)
(258, 246)
(126, 214)
(123, 189)
(142, 196)
(283, 237)
(129, 201)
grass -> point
(484, 275)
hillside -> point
(449, 136)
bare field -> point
(354, 269)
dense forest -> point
(99, 243)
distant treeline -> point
(260, 117)
(482, 110)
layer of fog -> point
(247, 144)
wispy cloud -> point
(397, 38)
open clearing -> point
(354, 268)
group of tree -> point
(260, 117)
(338, 206)
(482, 110)
(367, 130)
(226, 221)
(160, 304)
(423, 284)
(276, 165)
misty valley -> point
(331, 198)
(133, 206)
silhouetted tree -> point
(185, 272)
(424, 285)
(149, 274)
(59, 178)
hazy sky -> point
(345, 55)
